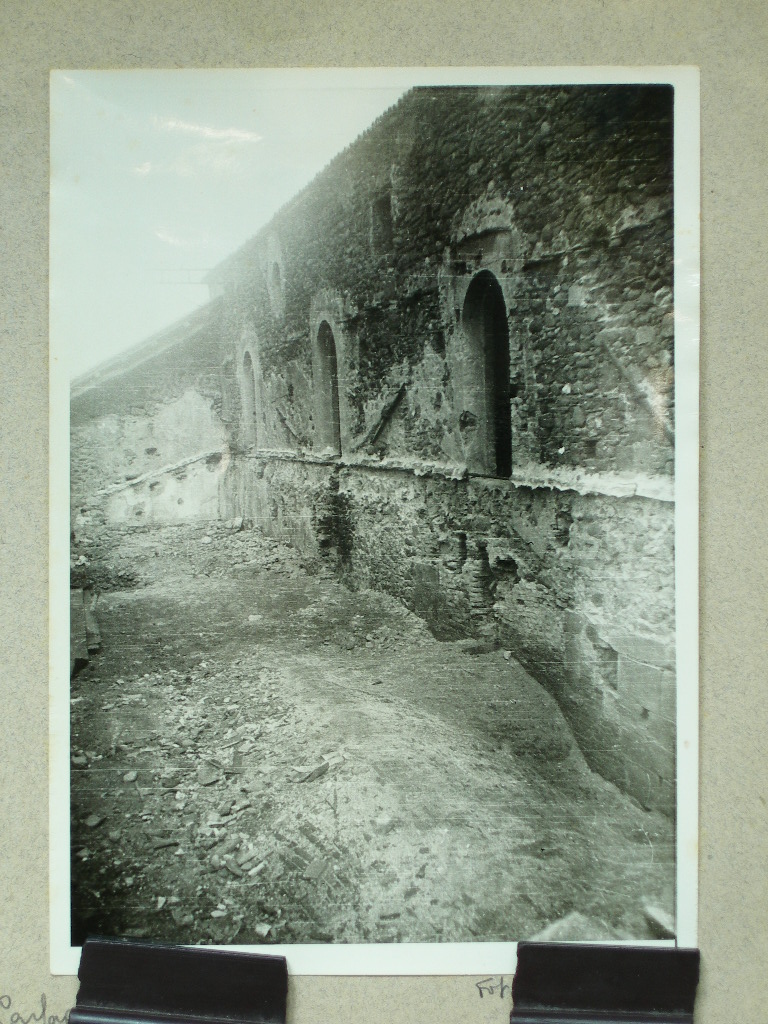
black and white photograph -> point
(373, 511)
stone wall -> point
(448, 371)
(576, 586)
(148, 444)
(563, 195)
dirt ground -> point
(261, 755)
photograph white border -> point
(440, 958)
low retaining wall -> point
(578, 586)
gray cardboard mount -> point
(728, 41)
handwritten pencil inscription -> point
(493, 987)
(8, 1015)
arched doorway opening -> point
(487, 332)
(249, 401)
(327, 384)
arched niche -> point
(274, 274)
(326, 382)
(275, 287)
(249, 401)
(484, 320)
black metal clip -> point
(127, 982)
(560, 983)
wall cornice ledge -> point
(536, 477)
(616, 485)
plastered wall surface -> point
(147, 440)
(728, 42)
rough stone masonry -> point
(446, 369)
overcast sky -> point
(156, 176)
